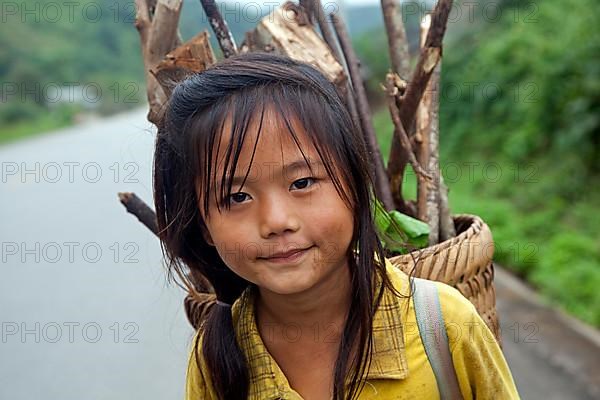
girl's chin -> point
(291, 284)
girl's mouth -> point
(289, 257)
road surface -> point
(85, 309)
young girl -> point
(262, 185)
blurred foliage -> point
(520, 140)
(537, 88)
(87, 49)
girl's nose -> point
(277, 215)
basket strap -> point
(435, 340)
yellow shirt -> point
(399, 367)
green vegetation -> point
(53, 56)
(520, 138)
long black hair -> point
(240, 86)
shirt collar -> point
(267, 381)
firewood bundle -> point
(304, 32)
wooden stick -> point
(200, 295)
(447, 229)
(422, 136)
(317, 8)
(163, 32)
(308, 6)
(219, 26)
(396, 35)
(348, 94)
(156, 22)
(408, 207)
(433, 198)
(142, 22)
(428, 59)
(382, 184)
(198, 284)
(141, 210)
(193, 56)
(399, 128)
(427, 137)
(430, 55)
(346, 89)
(399, 57)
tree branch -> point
(399, 58)
(399, 128)
(193, 56)
(156, 22)
(447, 229)
(396, 35)
(429, 56)
(137, 207)
(427, 139)
(317, 8)
(382, 184)
(220, 28)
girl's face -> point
(282, 207)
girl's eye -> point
(302, 183)
(236, 198)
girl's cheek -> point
(329, 252)
(235, 248)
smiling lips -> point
(289, 255)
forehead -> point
(267, 142)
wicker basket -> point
(464, 262)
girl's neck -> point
(326, 304)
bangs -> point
(247, 107)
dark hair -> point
(194, 117)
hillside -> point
(59, 59)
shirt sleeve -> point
(196, 385)
(481, 368)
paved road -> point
(552, 356)
(85, 309)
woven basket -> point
(464, 262)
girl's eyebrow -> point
(299, 164)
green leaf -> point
(396, 230)
(417, 230)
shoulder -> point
(197, 382)
(456, 308)
(464, 326)
(462, 321)
(479, 362)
